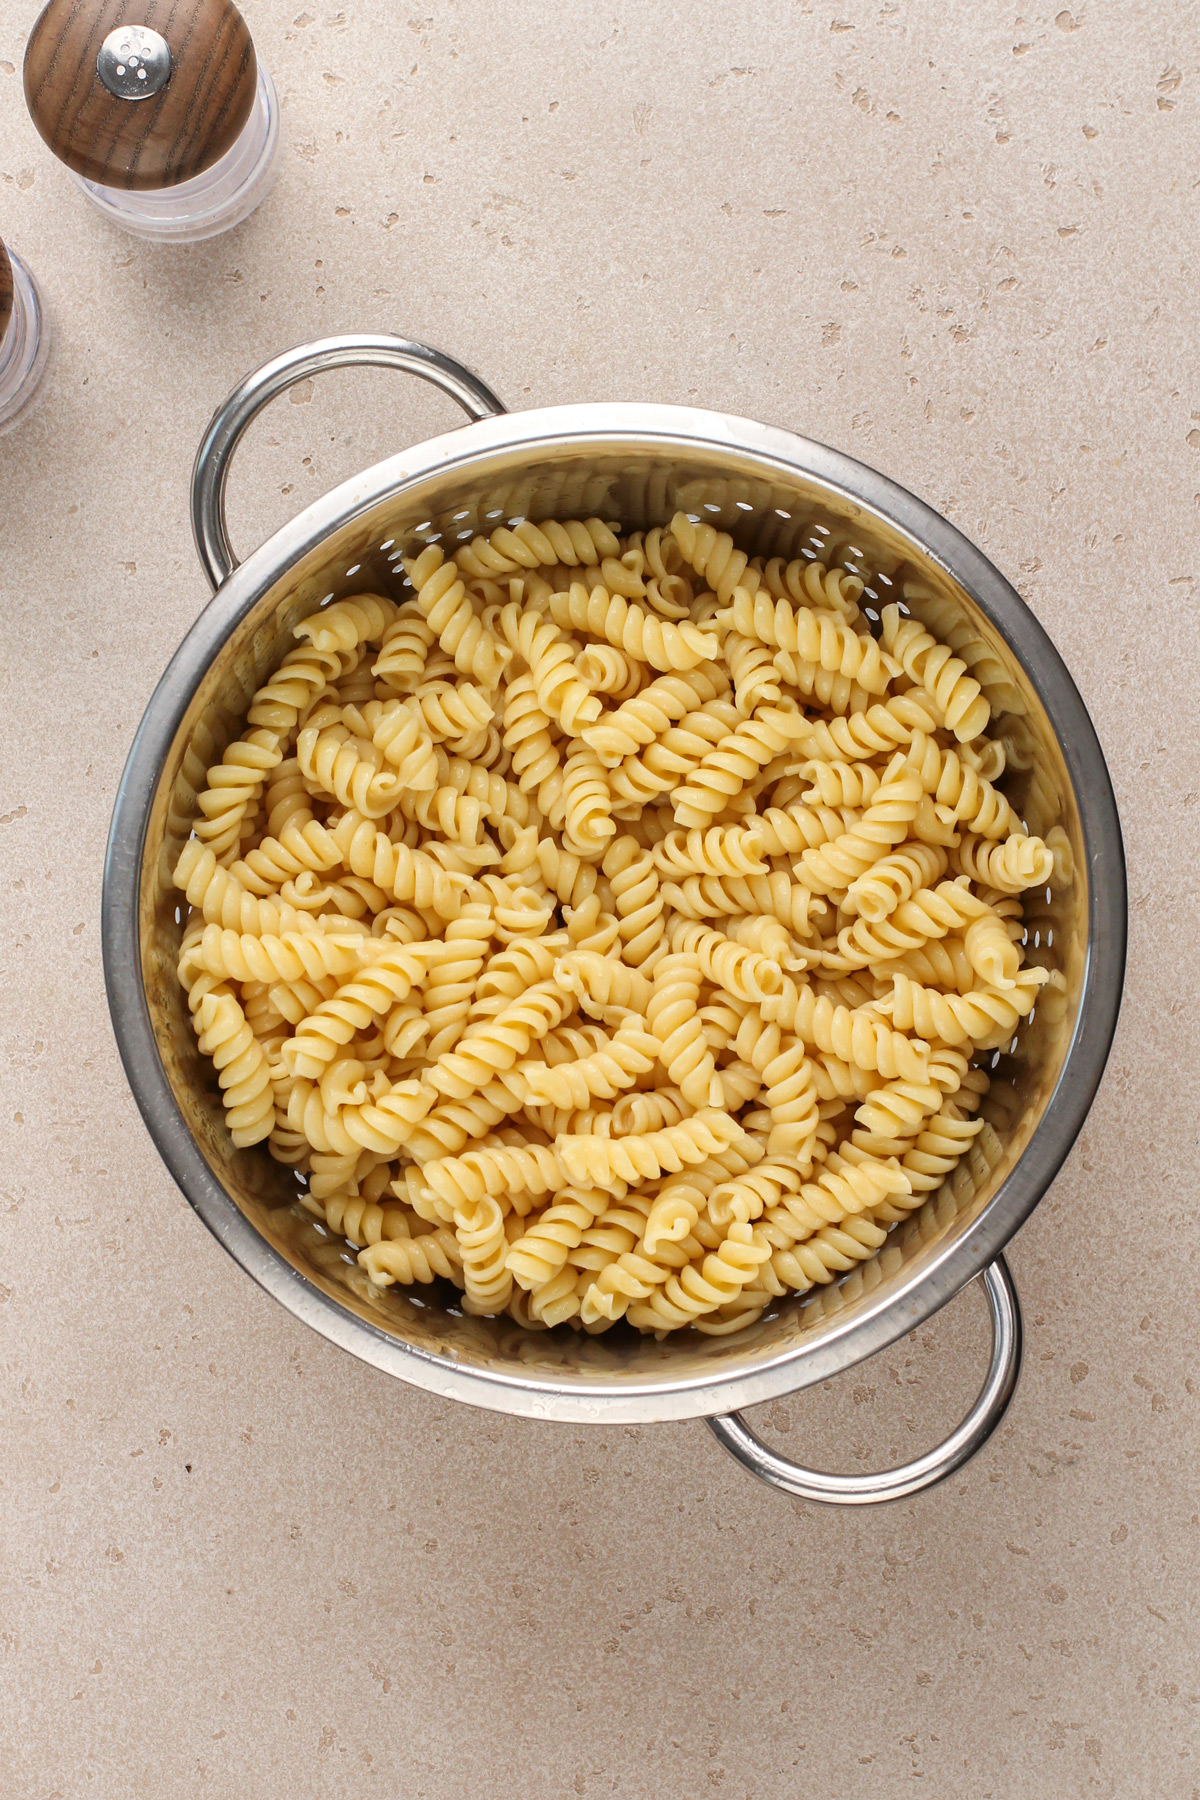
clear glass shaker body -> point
(25, 348)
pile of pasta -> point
(607, 924)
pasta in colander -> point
(606, 925)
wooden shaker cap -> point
(6, 291)
(156, 140)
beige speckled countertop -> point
(958, 241)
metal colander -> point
(778, 494)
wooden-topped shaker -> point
(25, 341)
(6, 291)
(160, 108)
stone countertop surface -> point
(956, 241)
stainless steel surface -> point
(373, 349)
(779, 493)
(134, 62)
(924, 1471)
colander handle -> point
(896, 1484)
(352, 350)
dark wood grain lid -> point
(6, 291)
(151, 142)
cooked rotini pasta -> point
(629, 627)
(605, 925)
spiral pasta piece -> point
(242, 956)
(499, 800)
(714, 555)
(886, 884)
(513, 969)
(1019, 862)
(957, 697)
(736, 760)
(898, 1109)
(587, 804)
(453, 816)
(721, 850)
(495, 1045)
(931, 913)
(572, 542)
(349, 895)
(675, 1211)
(986, 1017)
(451, 1126)
(348, 768)
(405, 649)
(790, 1098)
(639, 721)
(628, 1054)
(447, 711)
(410, 1260)
(857, 1036)
(601, 984)
(450, 981)
(403, 873)
(538, 1255)
(991, 951)
(814, 584)
(938, 1148)
(241, 1066)
(364, 1222)
(383, 1122)
(834, 866)
(535, 760)
(710, 896)
(637, 901)
(610, 671)
(822, 638)
(887, 726)
(955, 784)
(789, 830)
(673, 1020)
(616, 575)
(398, 732)
(301, 848)
(442, 600)
(567, 876)
(479, 1229)
(234, 785)
(759, 931)
(460, 1181)
(342, 627)
(755, 675)
(562, 691)
(640, 779)
(589, 927)
(631, 1276)
(388, 978)
(629, 627)
(304, 672)
(941, 963)
(809, 682)
(754, 1192)
(822, 1257)
(637, 1114)
(846, 1185)
(838, 784)
(600, 1162)
(223, 900)
(719, 1280)
(748, 974)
